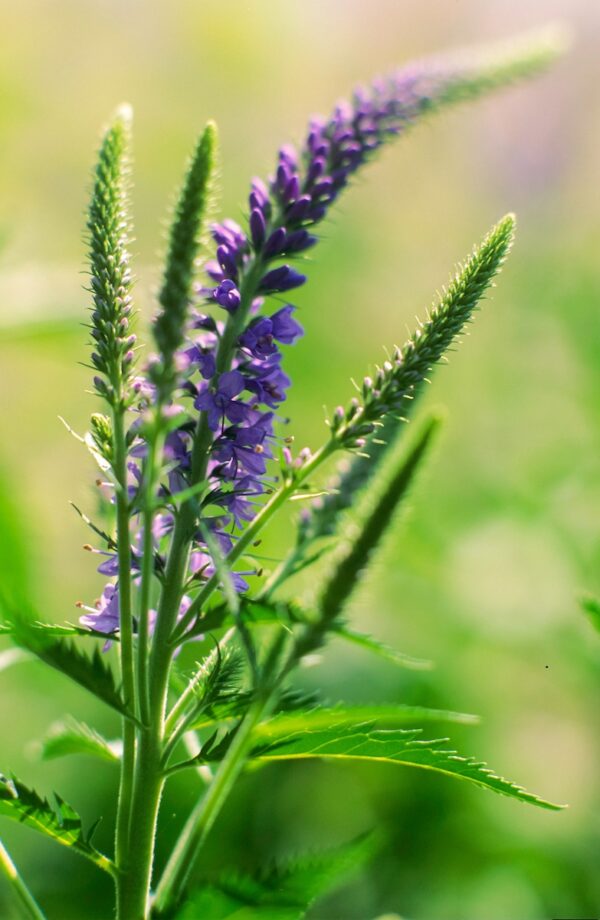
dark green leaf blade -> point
(397, 746)
(47, 642)
(61, 822)
(285, 892)
(392, 715)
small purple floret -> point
(281, 279)
(227, 295)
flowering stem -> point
(126, 636)
(203, 816)
(30, 906)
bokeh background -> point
(503, 532)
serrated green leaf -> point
(362, 718)
(285, 892)
(61, 822)
(397, 746)
(214, 690)
(91, 672)
(57, 630)
(380, 648)
(346, 717)
(226, 710)
(73, 737)
(47, 642)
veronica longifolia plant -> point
(194, 465)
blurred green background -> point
(504, 530)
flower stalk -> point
(195, 468)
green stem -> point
(203, 816)
(126, 637)
(154, 449)
(134, 886)
(155, 675)
(149, 778)
(28, 903)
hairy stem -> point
(126, 636)
(149, 779)
(154, 449)
(135, 883)
(204, 814)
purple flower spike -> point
(258, 227)
(258, 338)
(292, 190)
(299, 240)
(227, 295)
(275, 244)
(214, 270)
(230, 234)
(221, 403)
(268, 381)
(227, 260)
(244, 448)
(239, 502)
(284, 327)
(299, 209)
(281, 279)
(204, 360)
(288, 154)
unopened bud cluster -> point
(400, 377)
(102, 434)
(108, 227)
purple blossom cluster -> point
(240, 392)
